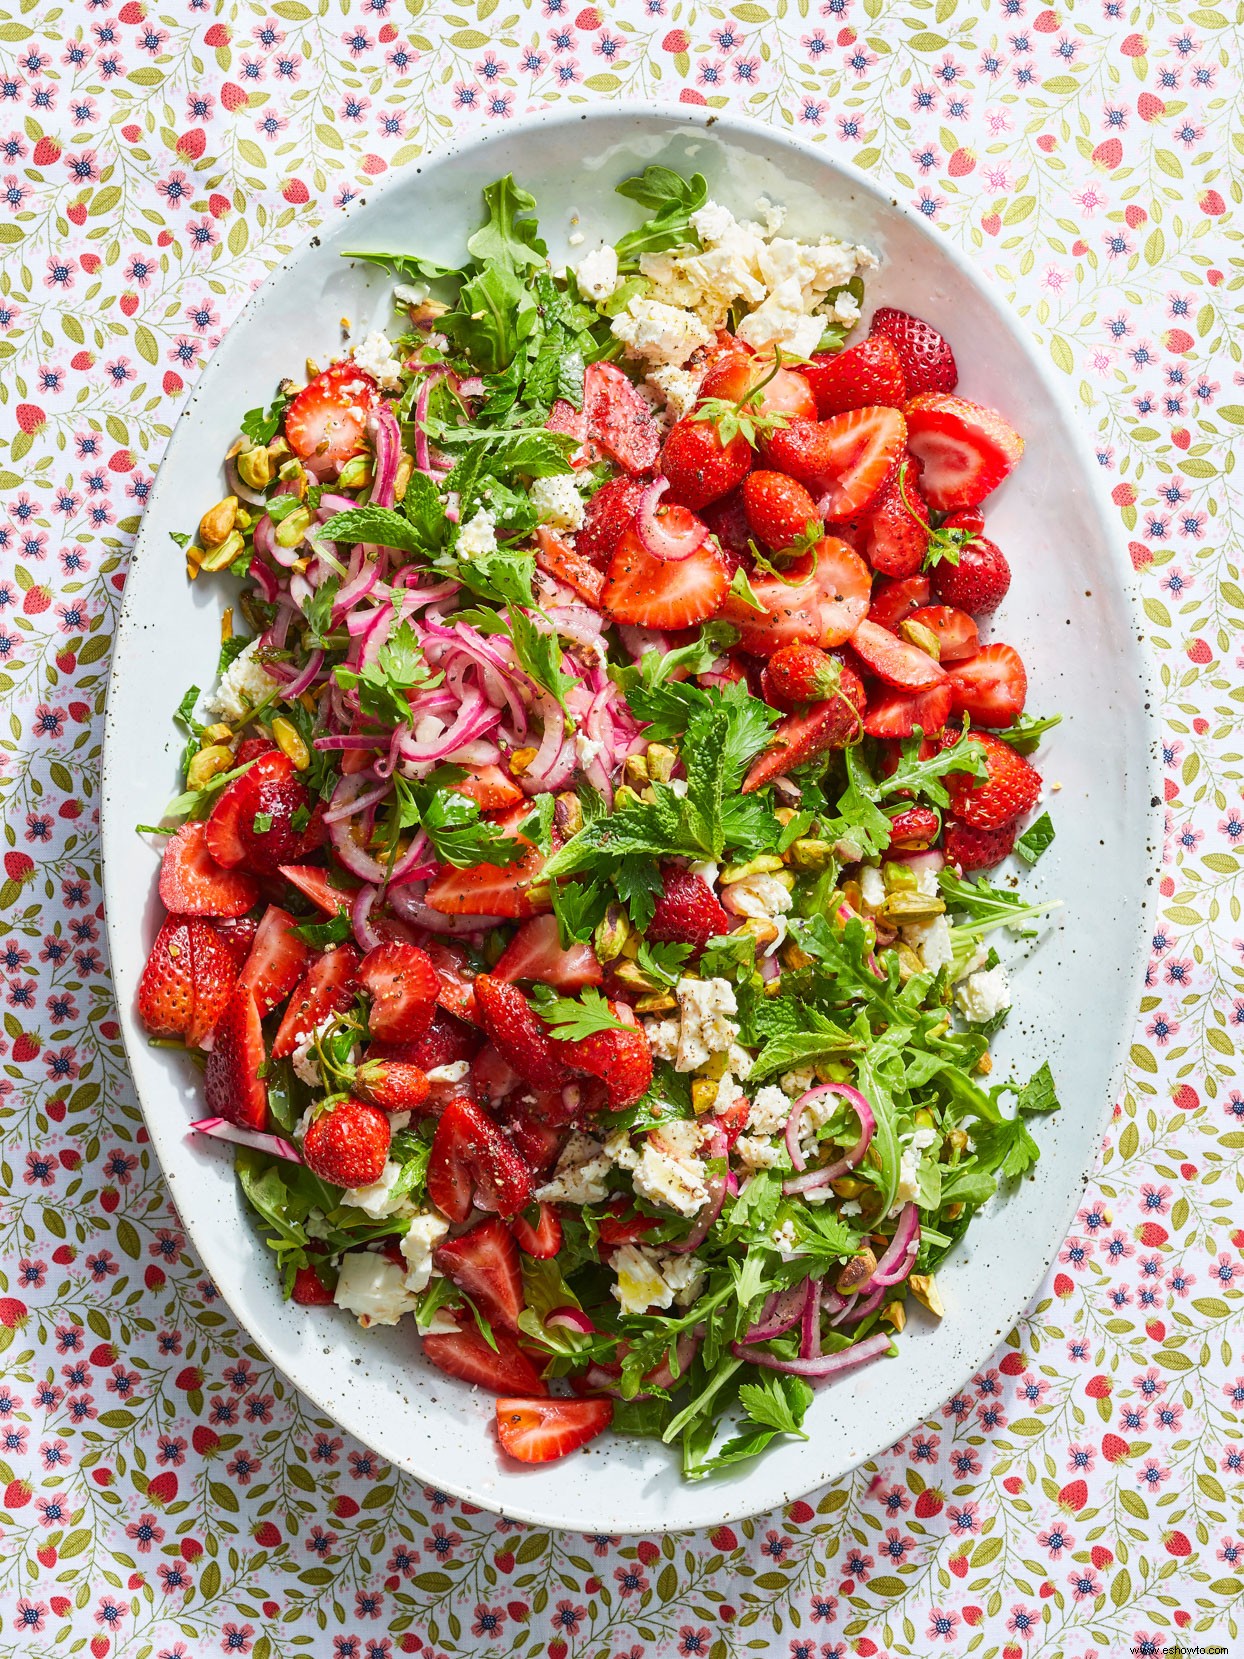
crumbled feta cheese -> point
(872, 888)
(452, 1073)
(851, 1207)
(757, 895)
(784, 1240)
(662, 1038)
(927, 884)
(739, 1061)
(620, 1152)
(931, 941)
(782, 321)
(708, 871)
(372, 1287)
(580, 1174)
(908, 1174)
(406, 293)
(558, 502)
(982, 996)
(923, 1139)
(846, 308)
(684, 1275)
(649, 1280)
(586, 749)
(677, 388)
(597, 273)
(706, 1029)
(304, 1059)
(245, 685)
(797, 1082)
(713, 223)
(660, 334)
(670, 1173)
(377, 1200)
(420, 1240)
(375, 357)
(478, 535)
(759, 1152)
(769, 1111)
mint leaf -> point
(260, 425)
(1036, 839)
(380, 525)
(1038, 1093)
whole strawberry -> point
(348, 1144)
(1009, 788)
(687, 913)
(393, 1085)
(927, 360)
(978, 583)
(869, 373)
(977, 849)
(779, 510)
(801, 673)
(700, 465)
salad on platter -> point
(575, 901)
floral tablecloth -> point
(164, 1493)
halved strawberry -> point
(915, 829)
(519, 1036)
(277, 960)
(779, 509)
(965, 450)
(560, 559)
(901, 712)
(474, 1164)
(609, 513)
(810, 732)
(500, 1366)
(727, 519)
(821, 598)
(484, 1264)
(863, 375)
(894, 660)
(1009, 789)
(192, 883)
(845, 459)
(892, 601)
(564, 417)
(446, 1041)
(456, 974)
(896, 537)
(541, 1238)
(957, 634)
(238, 932)
(621, 1223)
(403, 987)
(187, 980)
(660, 593)
(326, 423)
(492, 889)
(536, 1142)
(621, 1059)
(254, 821)
(541, 1430)
(328, 988)
(619, 419)
(977, 849)
(232, 1085)
(687, 911)
(927, 360)
(737, 376)
(535, 952)
(331, 894)
(991, 686)
(348, 1145)
(699, 466)
(489, 788)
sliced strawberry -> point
(403, 987)
(1009, 789)
(892, 601)
(393, 1085)
(609, 514)
(233, 1087)
(560, 559)
(250, 748)
(474, 1164)
(897, 535)
(500, 1366)
(564, 417)
(536, 1142)
(699, 466)
(254, 821)
(621, 1223)
(965, 450)
(957, 634)
(863, 375)
(779, 509)
(659, 593)
(519, 1036)
(326, 423)
(927, 360)
(800, 737)
(489, 788)
(991, 687)
(535, 952)
(456, 974)
(820, 599)
(540, 1430)
(977, 849)
(348, 1145)
(901, 712)
(492, 889)
(187, 980)
(915, 829)
(727, 519)
(541, 1238)
(621, 1059)
(687, 912)
(619, 419)
(192, 883)
(978, 583)
(894, 660)
(332, 894)
(238, 932)
(484, 1264)
(277, 960)
(328, 988)
(845, 459)
(736, 376)
(310, 1289)
(446, 1041)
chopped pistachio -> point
(855, 1272)
(661, 762)
(218, 521)
(255, 467)
(207, 763)
(924, 1289)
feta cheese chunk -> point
(558, 502)
(931, 941)
(769, 1111)
(705, 1006)
(377, 1200)
(620, 1151)
(984, 995)
(648, 1280)
(677, 389)
(759, 1152)
(597, 273)
(782, 320)
(580, 1174)
(304, 1058)
(372, 1287)
(662, 1038)
(478, 535)
(872, 888)
(422, 1237)
(454, 1072)
(908, 1174)
(662, 335)
(374, 356)
(757, 895)
(670, 1172)
(245, 685)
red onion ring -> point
(828, 1172)
(781, 1312)
(899, 1259)
(305, 677)
(810, 1331)
(408, 902)
(670, 534)
(360, 918)
(823, 1366)
(222, 1130)
(352, 856)
(570, 1319)
(387, 438)
(264, 578)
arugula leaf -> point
(1036, 839)
(570, 1019)
(671, 200)
(1026, 733)
(508, 237)
(989, 907)
(261, 426)
(407, 267)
